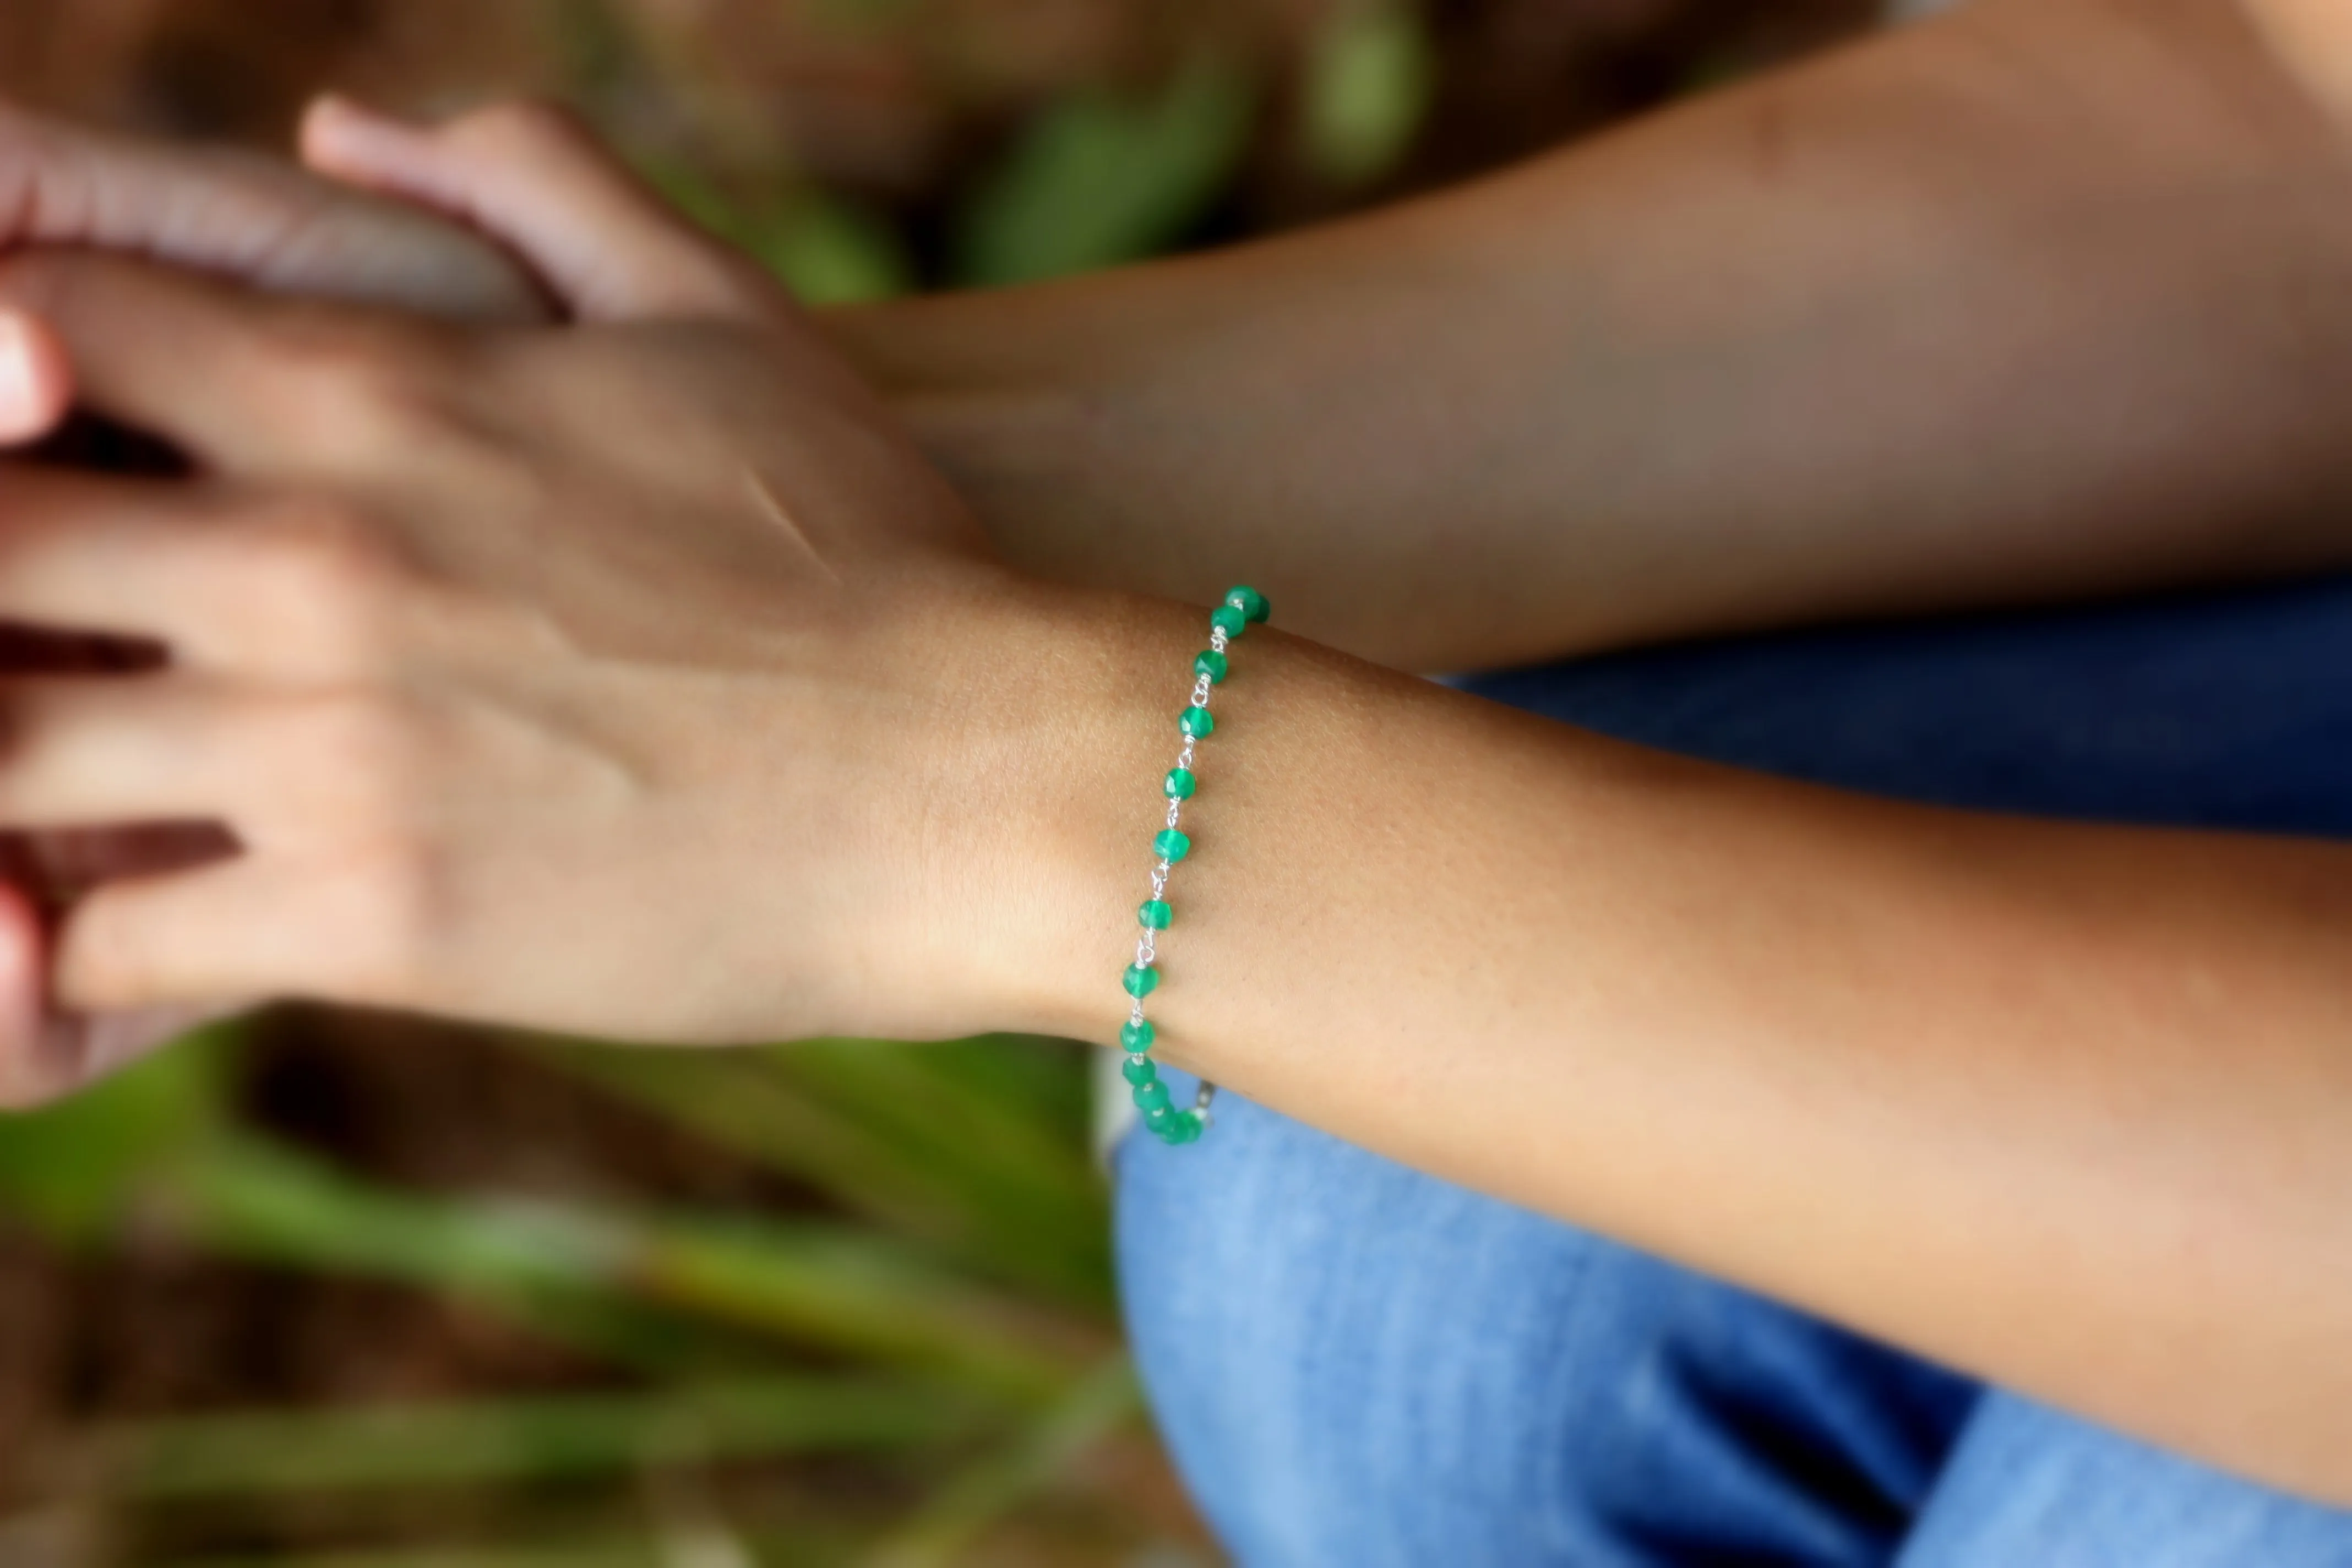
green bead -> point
(1196, 722)
(1170, 845)
(1249, 601)
(1183, 1128)
(1229, 620)
(1210, 663)
(1138, 1070)
(1154, 914)
(1158, 1123)
(1139, 980)
(1150, 1096)
(1136, 1035)
(1180, 783)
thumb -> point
(36, 379)
(529, 175)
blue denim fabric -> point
(1357, 1364)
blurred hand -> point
(259, 220)
(631, 678)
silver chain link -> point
(1146, 946)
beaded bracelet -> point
(1242, 607)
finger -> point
(261, 221)
(179, 356)
(93, 752)
(36, 380)
(256, 928)
(125, 558)
(528, 174)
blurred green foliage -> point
(953, 1318)
(1101, 178)
(827, 251)
(1369, 83)
(75, 1169)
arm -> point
(2048, 297)
(2045, 299)
(2070, 1107)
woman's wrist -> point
(1089, 686)
(1300, 733)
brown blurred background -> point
(324, 1289)
(1239, 116)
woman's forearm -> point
(2051, 297)
(2069, 1106)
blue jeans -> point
(1357, 1364)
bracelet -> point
(1172, 1126)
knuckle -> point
(108, 959)
(106, 964)
(322, 582)
(359, 382)
(384, 908)
(355, 761)
(354, 771)
(323, 543)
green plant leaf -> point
(856, 1293)
(829, 252)
(965, 1110)
(937, 1534)
(1369, 81)
(559, 1437)
(823, 249)
(74, 1168)
(815, 1287)
(1039, 1221)
(1098, 179)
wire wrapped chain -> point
(1169, 846)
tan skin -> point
(2035, 301)
(637, 676)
